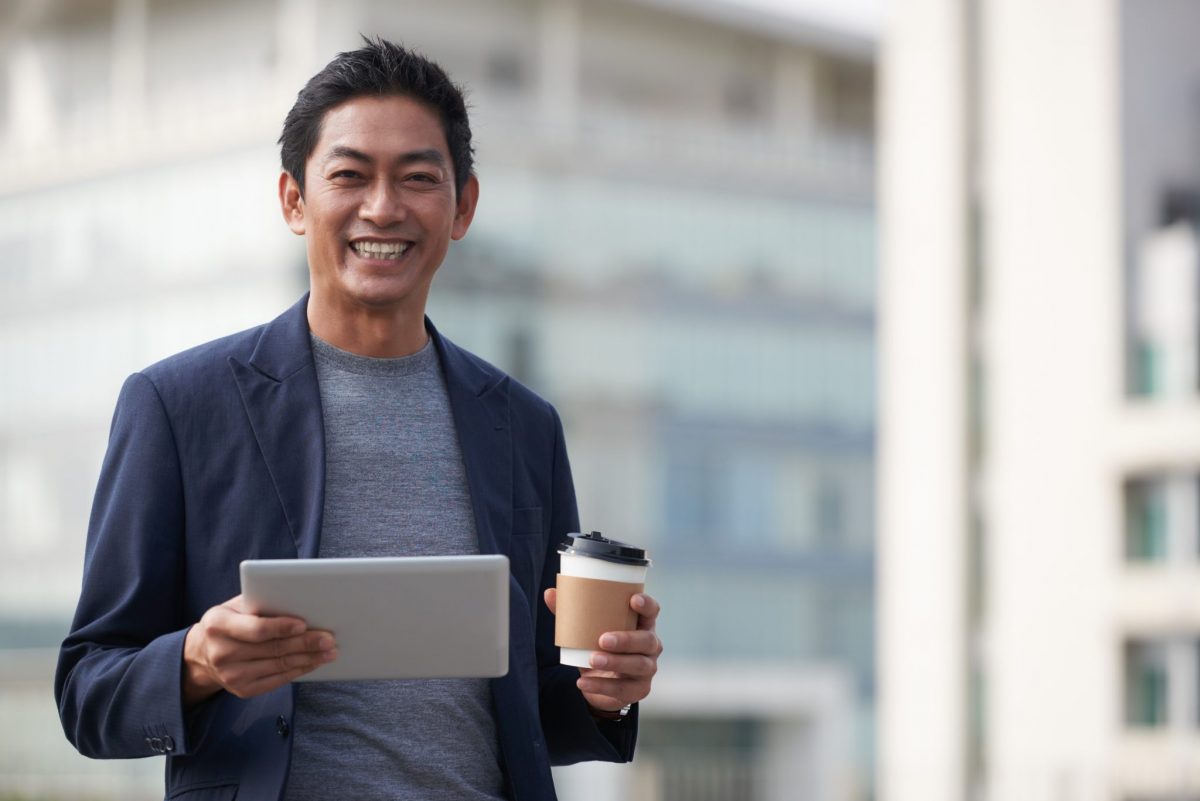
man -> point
(348, 426)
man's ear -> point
(291, 202)
(464, 212)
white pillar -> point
(922, 438)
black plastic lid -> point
(596, 545)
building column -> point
(923, 468)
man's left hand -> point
(621, 673)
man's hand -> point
(248, 655)
(621, 673)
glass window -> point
(829, 506)
(1146, 683)
(1145, 520)
(703, 760)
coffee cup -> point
(595, 583)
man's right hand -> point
(247, 655)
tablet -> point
(393, 618)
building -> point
(1040, 439)
(675, 244)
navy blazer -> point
(217, 455)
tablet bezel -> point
(455, 608)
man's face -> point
(379, 207)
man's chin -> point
(384, 294)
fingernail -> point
(639, 601)
(297, 628)
(329, 656)
(325, 643)
(608, 641)
(599, 660)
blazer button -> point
(150, 743)
(168, 743)
(157, 744)
(281, 726)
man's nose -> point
(383, 204)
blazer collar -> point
(284, 347)
(479, 401)
(279, 390)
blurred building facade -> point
(1039, 452)
(675, 244)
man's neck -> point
(380, 333)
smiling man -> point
(348, 426)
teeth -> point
(387, 250)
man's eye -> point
(423, 177)
(346, 174)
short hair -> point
(379, 68)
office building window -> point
(1145, 520)
(830, 522)
(704, 760)
(1146, 683)
(1165, 312)
(1162, 518)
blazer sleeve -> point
(118, 679)
(572, 734)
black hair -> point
(379, 67)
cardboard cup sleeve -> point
(587, 608)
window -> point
(1162, 518)
(1165, 311)
(1146, 520)
(830, 522)
(704, 760)
(1146, 684)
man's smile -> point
(380, 250)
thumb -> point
(551, 598)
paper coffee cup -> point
(597, 579)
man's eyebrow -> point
(431, 155)
(344, 152)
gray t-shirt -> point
(394, 486)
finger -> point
(607, 703)
(636, 665)
(631, 642)
(594, 673)
(256, 670)
(309, 642)
(265, 685)
(647, 609)
(551, 598)
(252, 628)
(624, 690)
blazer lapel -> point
(479, 403)
(279, 391)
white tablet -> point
(395, 618)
